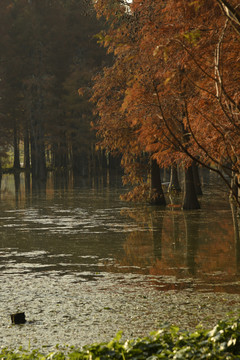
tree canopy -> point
(173, 90)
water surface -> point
(82, 264)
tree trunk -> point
(26, 149)
(166, 175)
(17, 186)
(61, 179)
(196, 177)
(27, 183)
(190, 200)
(78, 162)
(234, 193)
(64, 153)
(16, 164)
(156, 193)
(38, 159)
(60, 154)
(0, 178)
(174, 183)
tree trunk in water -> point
(16, 164)
(196, 177)
(234, 193)
(79, 162)
(26, 149)
(27, 183)
(60, 154)
(17, 186)
(38, 159)
(37, 96)
(156, 193)
(166, 175)
(64, 153)
(61, 179)
(190, 200)
(174, 183)
(0, 178)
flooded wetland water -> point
(83, 265)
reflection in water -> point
(61, 180)
(203, 255)
(192, 222)
(156, 229)
(180, 250)
(27, 183)
(76, 257)
(39, 187)
(17, 187)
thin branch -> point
(185, 150)
(217, 129)
(231, 13)
(217, 59)
(193, 58)
(200, 145)
(199, 87)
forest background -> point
(166, 96)
(48, 51)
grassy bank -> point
(221, 342)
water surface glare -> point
(82, 265)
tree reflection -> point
(17, 186)
(178, 249)
(192, 223)
(142, 246)
(0, 184)
(61, 180)
(39, 187)
(184, 248)
(27, 183)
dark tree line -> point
(48, 52)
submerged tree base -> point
(222, 342)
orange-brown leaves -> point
(173, 91)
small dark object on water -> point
(18, 318)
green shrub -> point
(222, 342)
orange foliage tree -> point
(173, 91)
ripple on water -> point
(77, 267)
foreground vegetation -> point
(222, 342)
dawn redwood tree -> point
(174, 181)
(181, 96)
(114, 129)
(157, 194)
(135, 104)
